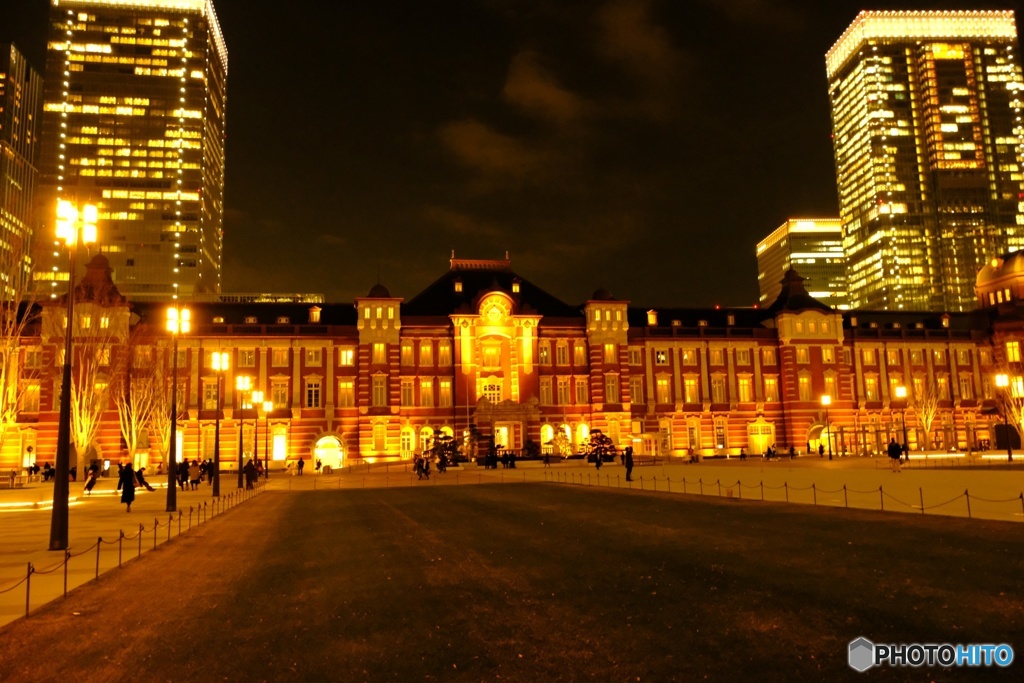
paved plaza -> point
(990, 490)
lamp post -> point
(243, 383)
(74, 228)
(1003, 382)
(901, 394)
(267, 407)
(179, 321)
(219, 363)
(826, 401)
(257, 399)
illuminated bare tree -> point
(1010, 399)
(135, 392)
(926, 402)
(561, 443)
(17, 312)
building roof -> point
(479, 277)
(794, 296)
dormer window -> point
(945, 320)
(458, 285)
(677, 323)
(314, 315)
(218, 320)
(702, 323)
(730, 319)
(283, 320)
(652, 317)
(250, 320)
(515, 286)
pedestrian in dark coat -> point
(126, 485)
(627, 460)
(141, 478)
(250, 475)
(90, 483)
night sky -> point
(644, 146)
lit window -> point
(346, 393)
(379, 353)
(426, 353)
(314, 358)
(1013, 352)
(611, 388)
(246, 358)
(346, 357)
(660, 357)
(771, 389)
(444, 354)
(828, 354)
(743, 386)
(804, 387)
(544, 353)
(581, 392)
(427, 393)
(690, 390)
(611, 354)
(663, 390)
(407, 353)
(803, 356)
(444, 398)
(636, 389)
(279, 358)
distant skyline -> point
(642, 146)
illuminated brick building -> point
(929, 153)
(21, 91)
(134, 113)
(485, 347)
(813, 246)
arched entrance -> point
(328, 450)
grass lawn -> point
(533, 583)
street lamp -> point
(179, 321)
(243, 383)
(219, 363)
(901, 394)
(1003, 382)
(826, 401)
(257, 399)
(74, 228)
(267, 407)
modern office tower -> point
(21, 90)
(133, 122)
(926, 125)
(813, 247)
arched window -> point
(582, 434)
(426, 437)
(547, 433)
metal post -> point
(59, 512)
(216, 444)
(172, 449)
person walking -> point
(90, 480)
(302, 463)
(627, 460)
(895, 451)
(547, 459)
(250, 474)
(195, 474)
(126, 484)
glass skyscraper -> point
(134, 115)
(811, 246)
(927, 133)
(21, 90)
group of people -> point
(192, 474)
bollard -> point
(701, 482)
(967, 493)
(785, 485)
(28, 587)
(156, 527)
(846, 497)
(921, 492)
(762, 490)
(814, 492)
(170, 522)
(668, 480)
(120, 547)
(881, 498)
(719, 482)
(141, 530)
(67, 556)
(99, 542)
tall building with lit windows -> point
(21, 90)
(929, 149)
(134, 116)
(813, 246)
